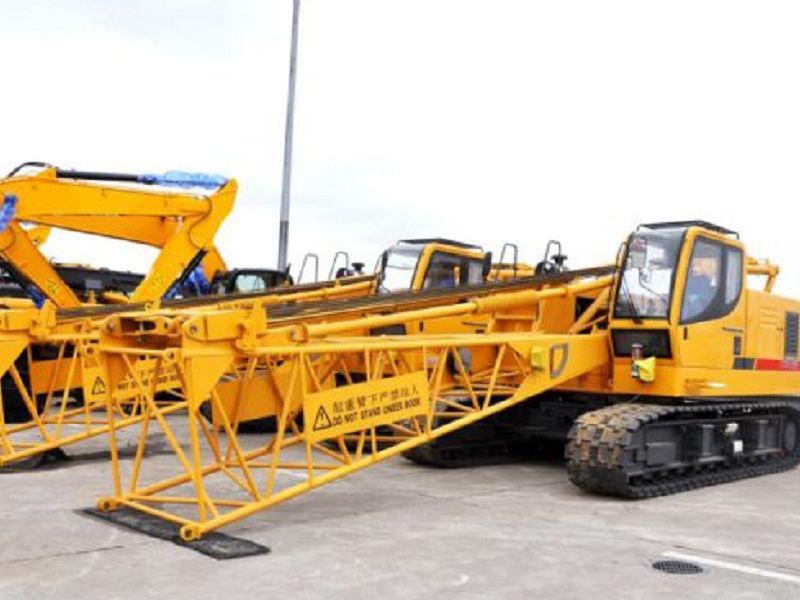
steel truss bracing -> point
(61, 400)
(340, 405)
(64, 404)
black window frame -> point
(463, 264)
(717, 308)
(673, 278)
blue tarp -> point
(36, 295)
(198, 279)
(184, 179)
(8, 210)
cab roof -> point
(442, 241)
(687, 224)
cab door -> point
(711, 314)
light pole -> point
(283, 240)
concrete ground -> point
(398, 530)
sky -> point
(482, 121)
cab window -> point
(449, 270)
(248, 283)
(733, 279)
(399, 268)
(474, 272)
(645, 288)
(713, 282)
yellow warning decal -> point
(128, 388)
(94, 385)
(364, 405)
(99, 386)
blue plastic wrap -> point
(171, 292)
(195, 282)
(8, 210)
(36, 295)
(198, 279)
(184, 179)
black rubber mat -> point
(214, 544)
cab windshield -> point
(645, 288)
(401, 264)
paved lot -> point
(398, 530)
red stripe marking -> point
(772, 364)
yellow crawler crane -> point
(703, 384)
(43, 418)
(38, 414)
(700, 374)
(434, 264)
(419, 387)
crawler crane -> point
(36, 416)
(697, 376)
(703, 379)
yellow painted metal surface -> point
(347, 390)
(54, 420)
(450, 397)
(721, 357)
(338, 411)
(181, 224)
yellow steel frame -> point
(707, 370)
(223, 478)
(318, 364)
(362, 398)
(181, 224)
(55, 421)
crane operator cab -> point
(684, 324)
(427, 264)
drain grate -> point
(677, 567)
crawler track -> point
(647, 450)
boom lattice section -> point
(340, 405)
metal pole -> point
(283, 241)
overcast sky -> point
(484, 121)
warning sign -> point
(94, 386)
(99, 386)
(145, 371)
(322, 420)
(364, 405)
